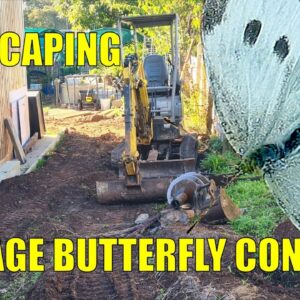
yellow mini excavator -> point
(154, 150)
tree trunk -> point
(205, 101)
(187, 59)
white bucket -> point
(105, 103)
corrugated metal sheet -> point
(11, 16)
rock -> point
(142, 218)
(173, 216)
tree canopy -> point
(41, 13)
(91, 14)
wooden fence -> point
(11, 78)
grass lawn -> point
(262, 214)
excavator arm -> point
(138, 121)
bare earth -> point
(59, 200)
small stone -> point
(173, 216)
(142, 218)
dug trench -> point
(59, 200)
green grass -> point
(218, 161)
(40, 163)
(60, 142)
(225, 163)
(262, 214)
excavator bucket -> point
(156, 178)
(116, 191)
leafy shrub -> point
(225, 163)
(215, 144)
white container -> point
(105, 103)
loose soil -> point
(59, 200)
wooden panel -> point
(19, 101)
(11, 16)
(20, 154)
(36, 115)
(24, 120)
(15, 116)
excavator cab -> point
(154, 150)
(160, 96)
(162, 75)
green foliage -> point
(194, 116)
(19, 286)
(225, 163)
(40, 163)
(91, 14)
(101, 70)
(262, 213)
(60, 142)
(189, 12)
(41, 13)
(215, 144)
(116, 71)
(248, 165)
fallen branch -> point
(137, 229)
(140, 228)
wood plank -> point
(36, 115)
(20, 154)
(28, 146)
